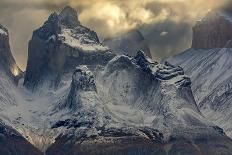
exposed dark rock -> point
(7, 61)
(116, 141)
(213, 31)
(12, 143)
(60, 45)
(68, 16)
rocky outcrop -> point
(213, 31)
(7, 62)
(128, 44)
(82, 80)
(12, 143)
(59, 46)
(134, 106)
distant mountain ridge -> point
(128, 43)
(213, 31)
(209, 64)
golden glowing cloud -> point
(109, 17)
(106, 17)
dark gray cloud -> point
(168, 38)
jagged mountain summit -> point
(136, 102)
(58, 46)
(209, 64)
(128, 43)
(103, 104)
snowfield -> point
(212, 82)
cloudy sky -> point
(166, 24)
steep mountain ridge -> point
(58, 46)
(103, 104)
(7, 62)
(11, 141)
(209, 68)
(137, 102)
(209, 71)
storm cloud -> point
(166, 24)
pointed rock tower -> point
(60, 45)
(7, 61)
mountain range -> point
(81, 96)
(209, 65)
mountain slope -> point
(142, 104)
(11, 141)
(209, 68)
(211, 76)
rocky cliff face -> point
(7, 62)
(213, 31)
(128, 44)
(59, 46)
(134, 106)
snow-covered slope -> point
(210, 68)
(132, 101)
(12, 143)
(136, 102)
(210, 73)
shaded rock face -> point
(12, 143)
(68, 16)
(7, 62)
(134, 106)
(213, 31)
(59, 46)
(111, 141)
(128, 44)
